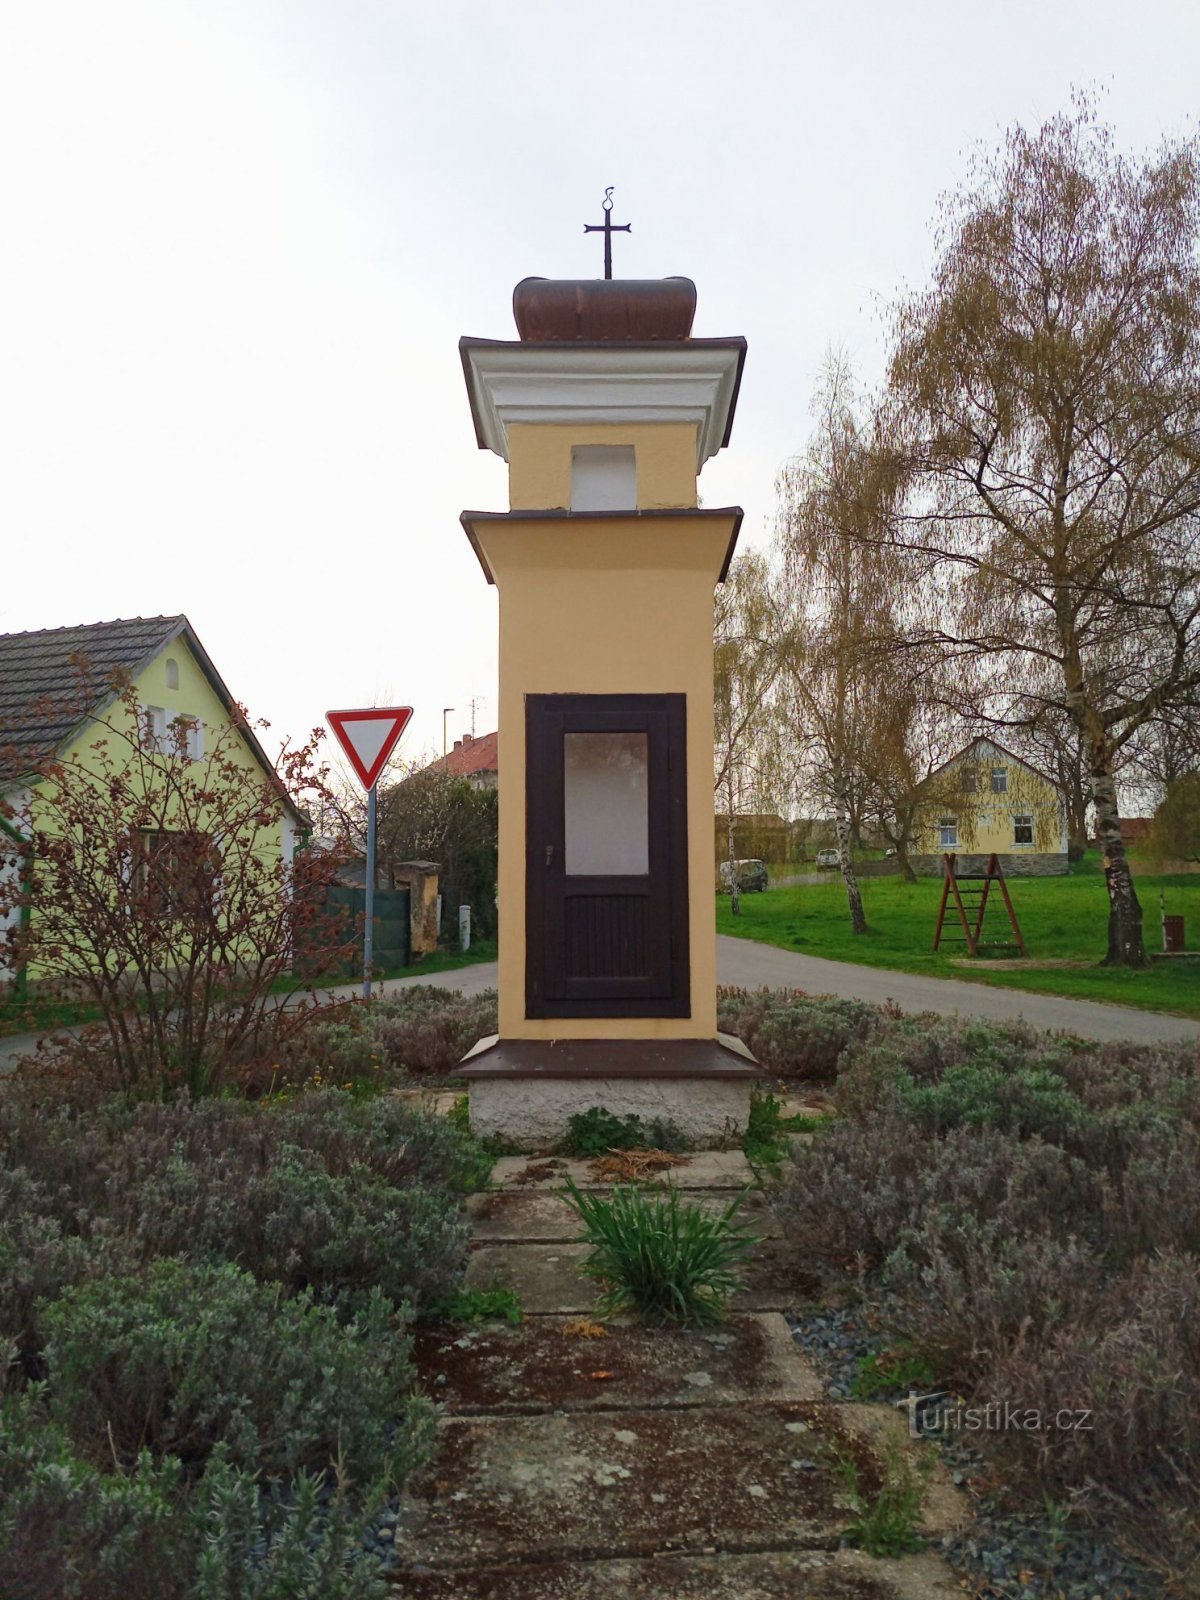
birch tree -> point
(745, 666)
(1047, 390)
(833, 609)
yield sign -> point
(368, 737)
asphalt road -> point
(755, 966)
(742, 961)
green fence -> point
(347, 907)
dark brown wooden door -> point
(606, 856)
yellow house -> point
(989, 801)
(605, 410)
(57, 684)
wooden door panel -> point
(601, 943)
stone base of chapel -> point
(525, 1091)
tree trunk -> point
(907, 872)
(858, 921)
(1125, 945)
(735, 893)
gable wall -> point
(985, 819)
(194, 697)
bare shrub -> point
(1133, 1367)
(150, 883)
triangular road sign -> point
(368, 737)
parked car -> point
(751, 876)
(828, 861)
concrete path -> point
(753, 966)
(588, 1459)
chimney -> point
(458, 744)
(467, 737)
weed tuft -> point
(660, 1258)
(497, 1303)
(596, 1131)
(886, 1524)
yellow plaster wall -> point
(539, 462)
(617, 607)
(195, 697)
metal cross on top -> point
(608, 227)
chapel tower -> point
(605, 409)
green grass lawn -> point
(1062, 919)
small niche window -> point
(948, 832)
(1022, 830)
(172, 673)
(999, 780)
(603, 477)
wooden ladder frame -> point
(950, 889)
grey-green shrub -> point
(864, 1186)
(326, 1193)
(299, 1225)
(1027, 1203)
(420, 1031)
(794, 1034)
(71, 1531)
(191, 1361)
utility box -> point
(605, 409)
(1173, 942)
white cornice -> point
(692, 381)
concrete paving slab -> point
(547, 1279)
(555, 1363)
(528, 1216)
(630, 1483)
(706, 1169)
(780, 1575)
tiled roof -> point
(51, 680)
(472, 755)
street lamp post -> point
(446, 710)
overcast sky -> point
(241, 239)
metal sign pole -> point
(369, 928)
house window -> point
(172, 673)
(1022, 830)
(154, 728)
(999, 780)
(970, 781)
(180, 735)
(948, 833)
(603, 477)
(176, 873)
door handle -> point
(549, 855)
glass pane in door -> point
(606, 795)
